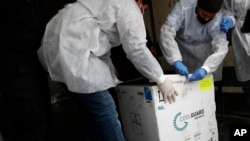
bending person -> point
(191, 39)
(76, 51)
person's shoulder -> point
(219, 15)
(188, 3)
(215, 23)
(123, 2)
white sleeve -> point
(168, 45)
(132, 32)
(219, 47)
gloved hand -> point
(198, 74)
(226, 23)
(181, 68)
(168, 90)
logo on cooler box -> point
(181, 121)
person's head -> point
(207, 9)
(143, 5)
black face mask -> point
(201, 20)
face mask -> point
(201, 20)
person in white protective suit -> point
(235, 15)
(191, 39)
(76, 51)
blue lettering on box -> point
(161, 107)
(148, 94)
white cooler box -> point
(145, 116)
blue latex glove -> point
(225, 24)
(181, 68)
(198, 74)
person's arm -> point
(133, 38)
(132, 33)
(219, 46)
(168, 45)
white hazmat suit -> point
(76, 45)
(240, 41)
(184, 38)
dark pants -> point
(246, 89)
(25, 112)
(99, 115)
